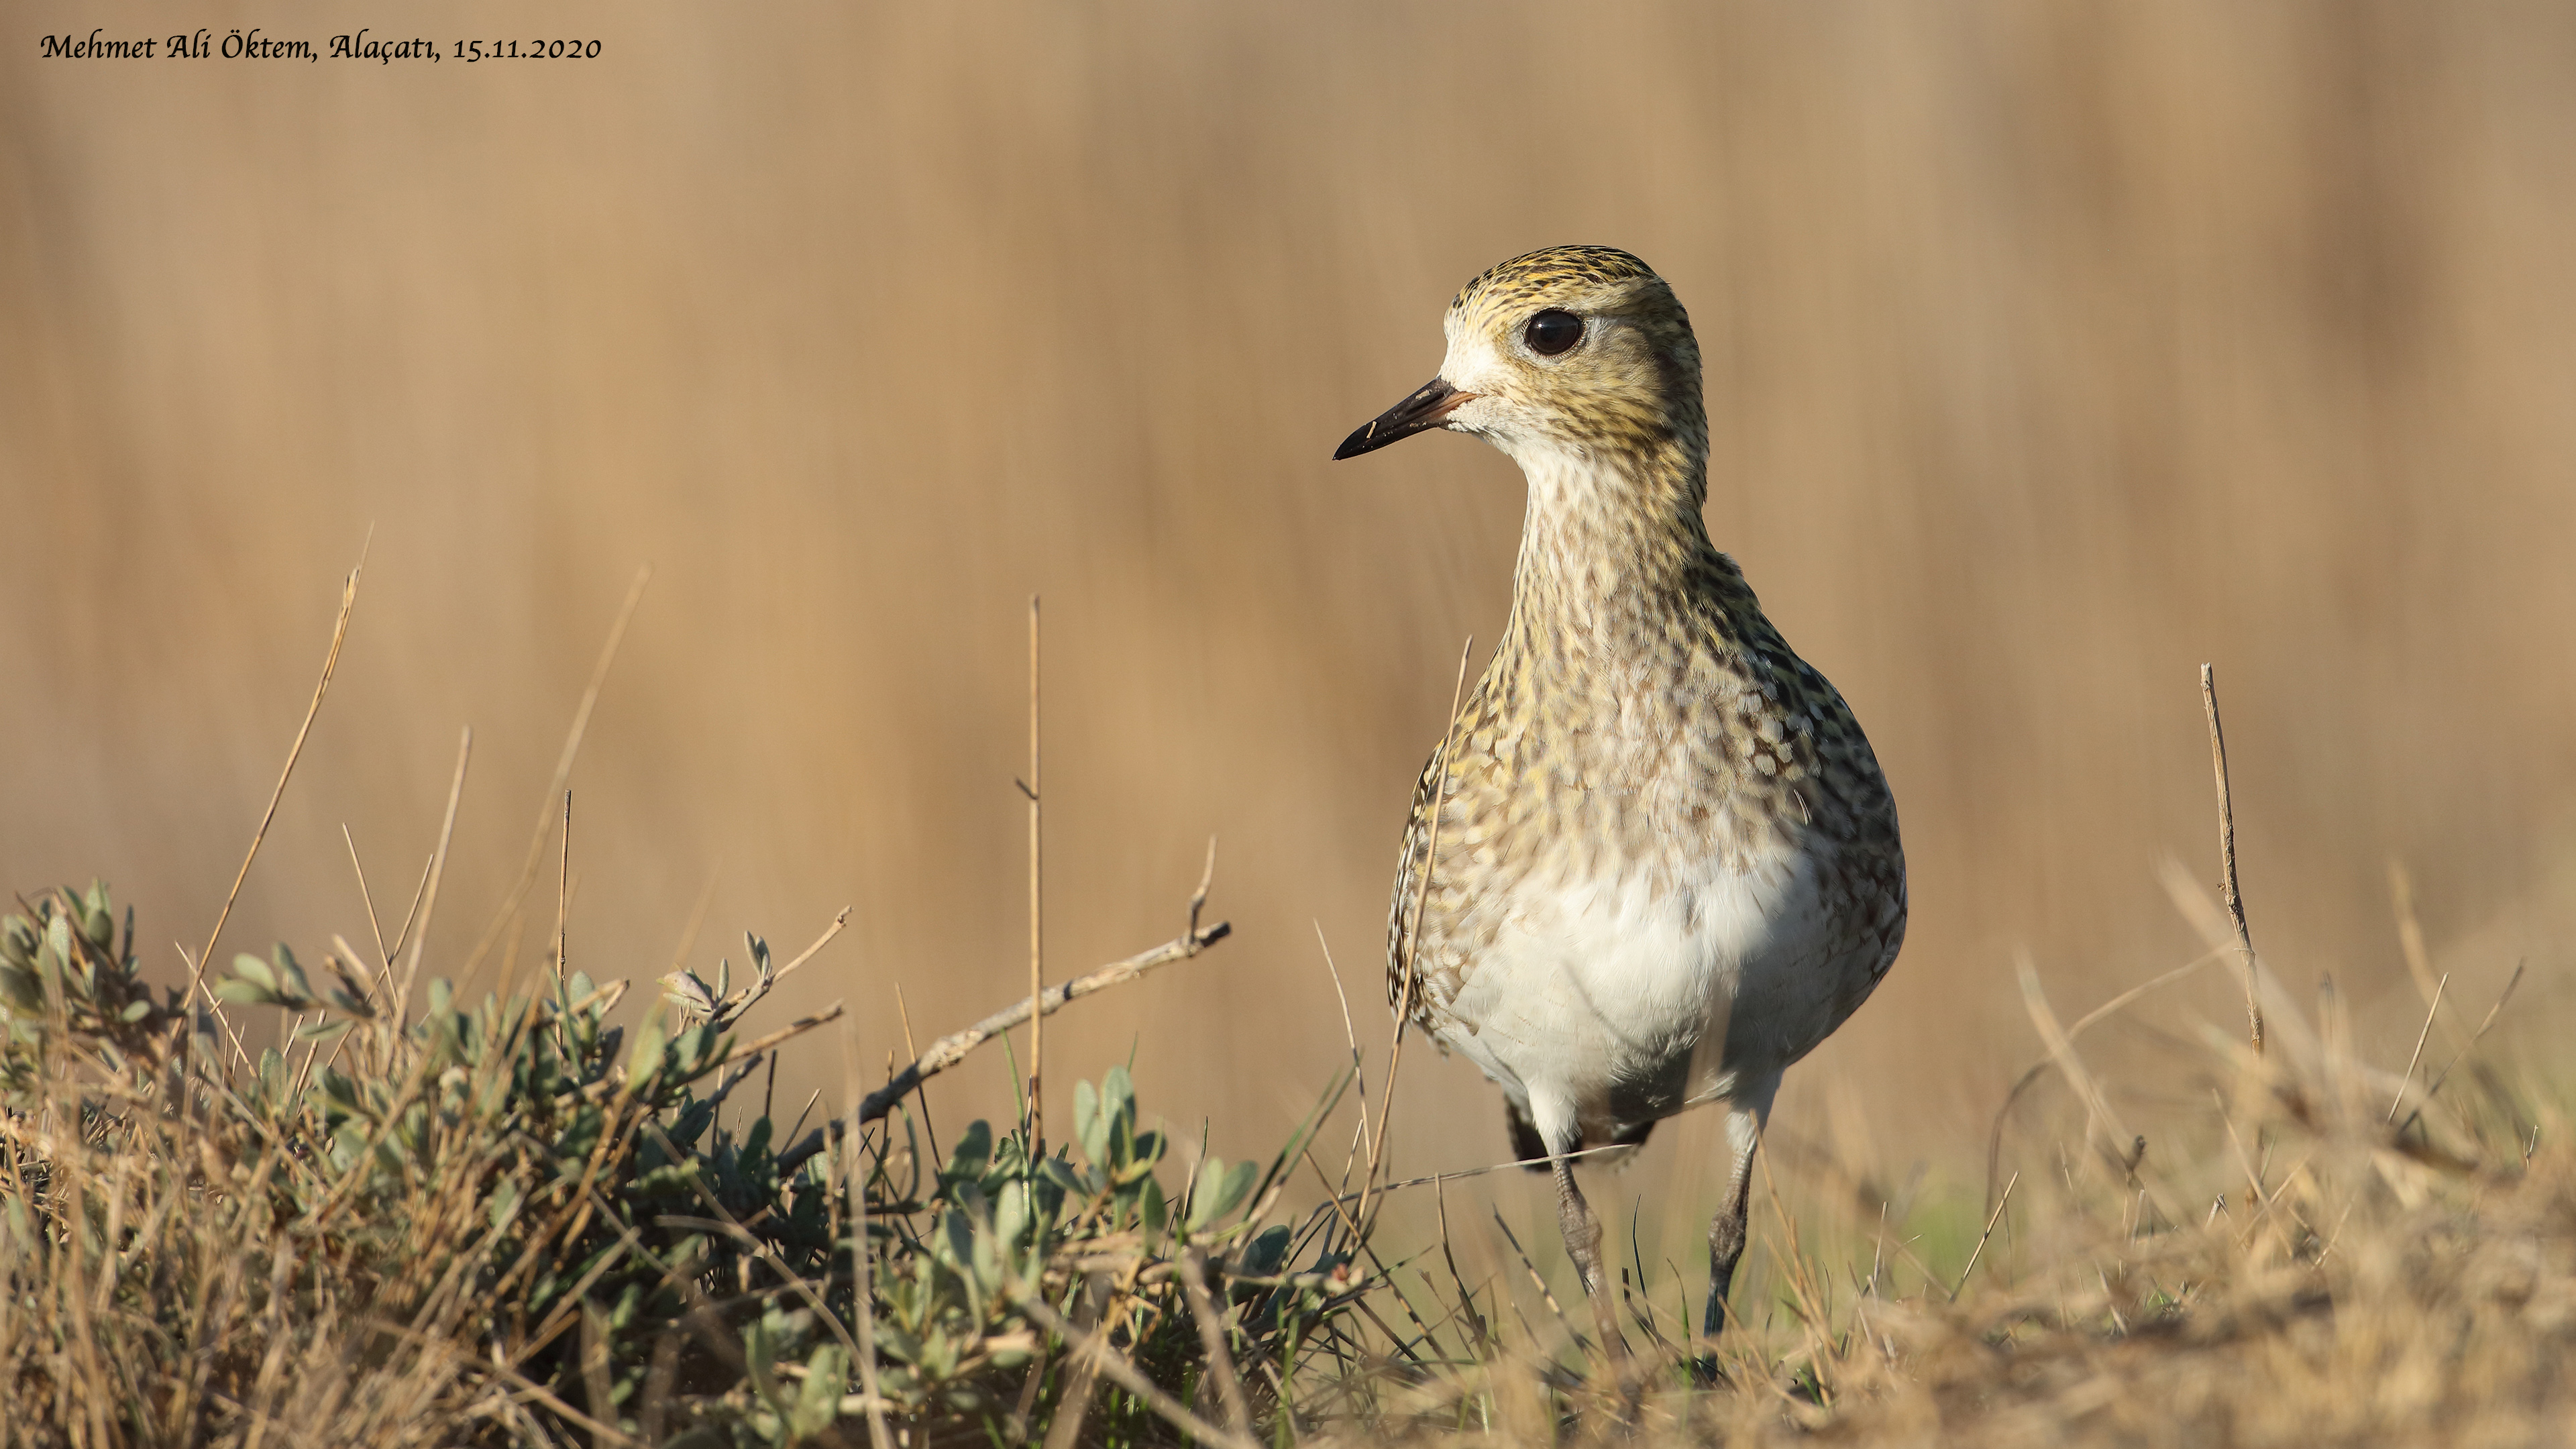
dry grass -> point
(2330, 1252)
(2054, 349)
(504, 1224)
(2304, 1266)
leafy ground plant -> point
(508, 1221)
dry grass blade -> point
(1410, 981)
(2031, 1073)
(527, 876)
(1538, 1280)
(2121, 1149)
(366, 897)
(1037, 907)
(2484, 1023)
(2432, 1009)
(295, 751)
(2410, 944)
(411, 916)
(419, 933)
(2227, 858)
(1979, 1251)
(862, 1260)
(563, 903)
(1351, 1038)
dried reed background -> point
(2053, 350)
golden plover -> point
(1667, 865)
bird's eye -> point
(1553, 331)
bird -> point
(1653, 862)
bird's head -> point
(1573, 351)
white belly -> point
(1596, 988)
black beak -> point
(1426, 409)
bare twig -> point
(1460, 1174)
(603, 1433)
(2227, 857)
(1238, 1412)
(1074, 1404)
(953, 1048)
(696, 997)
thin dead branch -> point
(953, 1048)
(1211, 1325)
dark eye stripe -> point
(1553, 331)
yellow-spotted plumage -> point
(1667, 864)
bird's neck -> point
(1612, 539)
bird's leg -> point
(1726, 1234)
(1582, 1230)
(1726, 1230)
(1583, 1244)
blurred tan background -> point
(2054, 349)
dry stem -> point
(2227, 857)
(1037, 906)
(562, 777)
(437, 871)
(1238, 1412)
(322, 686)
(953, 1048)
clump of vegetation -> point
(507, 1222)
(503, 1222)
(513, 1223)
(2328, 1251)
